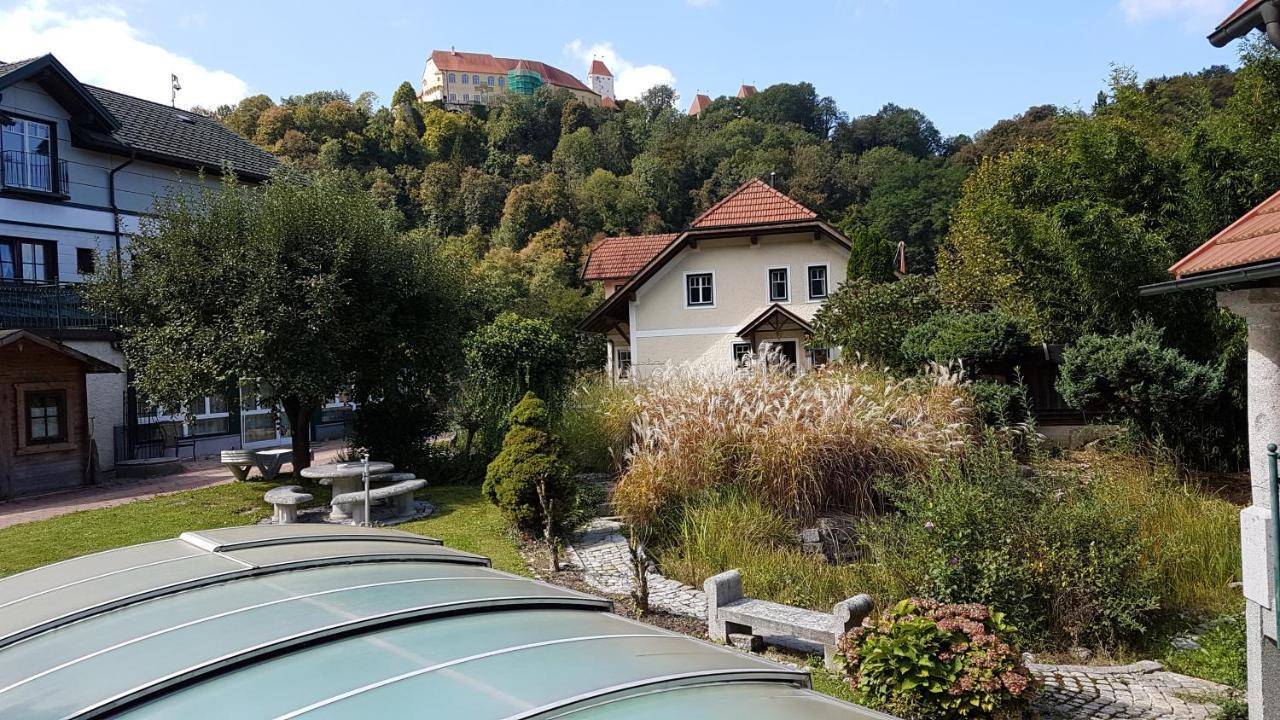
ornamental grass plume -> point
(801, 444)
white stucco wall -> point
(666, 331)
(106, 397)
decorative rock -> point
(1080, 653)
(746, 642)
(1186, 642)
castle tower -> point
(523, 79)
(600, 80)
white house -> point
(746, 276)
(81, 166)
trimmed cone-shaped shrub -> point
(530, 457)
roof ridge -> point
(753, 182)
(145, 100)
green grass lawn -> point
(463, 519)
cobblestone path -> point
(1139, 691)
(602, 555)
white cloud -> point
(100, 47)
(1192, 11)
(629, 79)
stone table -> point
(344, 477)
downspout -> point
(1271, 22)
(115, 211)
(130, 408)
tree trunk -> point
(466, 455)
(299, 413)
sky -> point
(966, 65)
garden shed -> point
(47, 438)
(346, 622)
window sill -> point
(34, 194)
(38, 448)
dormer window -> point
(27, 147)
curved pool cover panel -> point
(323, 622)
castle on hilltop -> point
(463, 79)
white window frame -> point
(813, 364)
(453, 78)
(475, 79)
(808, 282)
(738, 359)
(31, 169)
(622, 365)
(466, 79)
(684, 288)
(785, 299)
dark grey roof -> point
(161, 131)
(6, 68)
(122, 124)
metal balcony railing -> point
(47, 306)
(33, 171)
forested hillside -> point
(1051, 218)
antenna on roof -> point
(174, 87)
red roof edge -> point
(1176, 268)
(1245, 7)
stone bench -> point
(285, 500)
(239, 462)
(401, 495)
(268, 462)
(730, 613)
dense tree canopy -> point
(1051, 218)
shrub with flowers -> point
(923, 659)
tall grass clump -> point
(727, 529)
(1193, 536)
(595, 423)
(801, 445)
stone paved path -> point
(601, 553)
(196, 474)
(1142, 691)
(1139, 691)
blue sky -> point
(966, 65)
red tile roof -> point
(746, 91)
(598, 68)
(700, 103)
(1251, 239)
(1244, 8)
(753, 203)
(485, 63)
(618, 258)
(608, 102)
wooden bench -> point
(286, 499)
(400, 494)
(729, 612)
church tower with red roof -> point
(601, 80)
